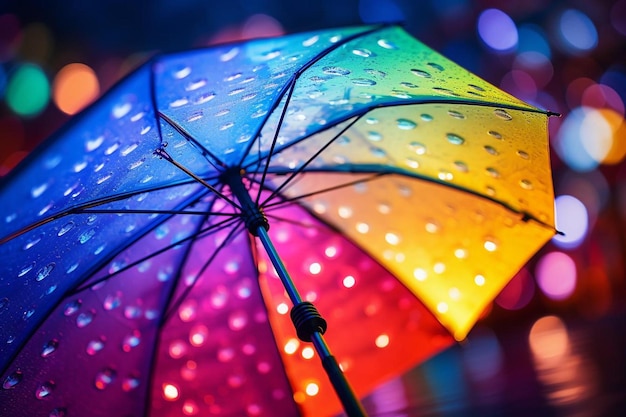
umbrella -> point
(152, 249)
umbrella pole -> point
(310, 326)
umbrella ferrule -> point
(251, 213)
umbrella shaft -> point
(314, 324)
(280, 268)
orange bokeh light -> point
(75, 86)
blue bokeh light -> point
(497, 30)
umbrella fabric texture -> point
(402, 194)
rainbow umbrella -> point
(153, 248)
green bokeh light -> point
(28, 90)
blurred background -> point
(554, 342)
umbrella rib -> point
(154, 211)
(83, 207)
(297, 75)
(292, 84)
(163, 154)
(301, 168)
(205, 152)
(202, 233)
(173, 305)
(285, 201)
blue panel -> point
(221, 96)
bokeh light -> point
(497, 30)
(589, 137)
(518, 292)
(74, 87)
(28, 90)
(482, 354)
(549, 339)
(572, 220)
(576, 32)
(556, 275)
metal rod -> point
(257, 225)
(280, 268)
(351, 404)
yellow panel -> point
(500, 154)
(454, 250)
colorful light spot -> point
(74, 87)
(28, 90)
(312, 389)
(170, 392)
(497, 30)
(572, 219)
(556, 275)
(382, 341)
(577, 32)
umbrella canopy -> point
(402, 193)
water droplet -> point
(375, 72)
(26, 270)
(495, 134)
(455, 114)
(203, 98)
(408, 85)
(445, 175)
(238, 320)
(182, 72)
(12, 380)
(526, 184)
(523, 154)
(39, 190)
(95, 346)
(104, 378)
(492, 172)
(58, 412)
(311, 41)
(374, 136)
(93, 144)
(384, 43)
(66, 228)
(461, 166)
(400, 94)
(503, 114)
(31, 243)
(49, 348)
(4, 302)
(491, 150)
(455, 139)
(44, 272)
(132, 312)
(194, 85)
(412, 163)
(406, 124)
(84, 319)
(131, 340)
(112, 301)
(130, 383)
(418, 148)
(229, 55)
(72, 307)
(86, 235)
(363, 82)
(365, 53)
(179, 102)
(335, 71)
(421, 73)
(28, 314)
(44, 390)
(378, 152)
(435, 66)
(475, 87)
